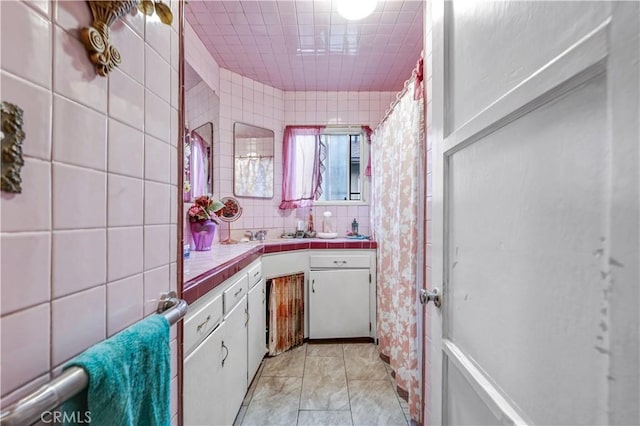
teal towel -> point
(129, 378)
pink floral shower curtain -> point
(396, 147)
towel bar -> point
(73, 380)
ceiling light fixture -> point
(355, 10)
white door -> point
(535, 213)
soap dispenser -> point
(354, 227)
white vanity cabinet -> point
(341, 295)
(235, 361)
(257, 300)
(216, 345)
(204, 396)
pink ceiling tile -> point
(232, 6)
(238, 19)
(218, 19)
(268, 7)
(251, 7)
(270, 18)
(255, 18)
(305, 45)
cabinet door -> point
(257, 325)
(339, 304)
(235, 365)
(204, 389)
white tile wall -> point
(74, 244)
(125, 252)
(124, 303)
(26, 270)
(25, 346)
(79, 260)
(77, 322)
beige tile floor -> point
(324, 384)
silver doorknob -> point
(427, 296)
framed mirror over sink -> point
(253, 155)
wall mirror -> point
(253, 151)
(201, 112)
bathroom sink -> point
(327, 235)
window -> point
(323, 165)
(341, 175)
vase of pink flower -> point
(203, 221)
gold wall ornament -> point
(11, 137)
(97, 37)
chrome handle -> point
(313, 286)
(434, 296)
(226, 354)
(238, 292)
(203, 323)
(340, 262)
(256, 274)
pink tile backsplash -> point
(72, 14)
(158, 36)
(156, 160)
(74, 76)
(157, 74)
(79, 260)
(132, 48)
(156, 281)
(35, 101)
(79, 197)
(35, 199)
(125, 147)
(83, 144)
(156, 244)
(26, 270)
(125, 201)
(25, 346)
(84, 176)
(124, 303)
(125, 252)
(77, 322)
(156, 203)
(126, 100)
(31, 58)
(156, 116)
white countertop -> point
(200, 262)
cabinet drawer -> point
(233, 294)
(198, 325)
(334, 262)
(255, 274)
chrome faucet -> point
(260, 235)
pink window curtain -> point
(367, 131)
(301, 176)
(199, 161)
(396, 148)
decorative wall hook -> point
(11, 137)
(97, 37)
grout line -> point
(344, 362)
